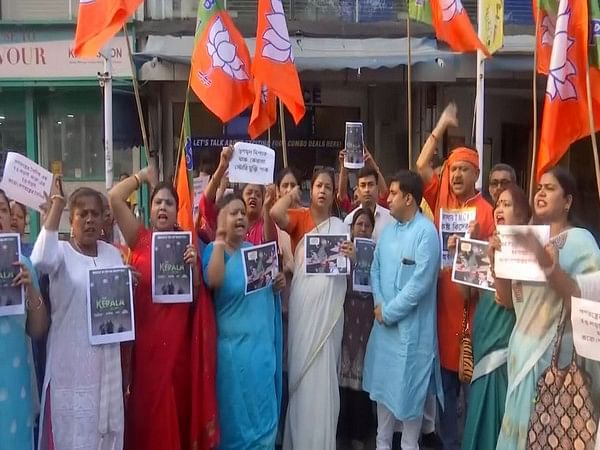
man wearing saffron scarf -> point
(453, 189)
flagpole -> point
(409, 94)
(105, 80)
(480, 96)
(588, 88)
(283, 135)
(535, 112)
(136, 91)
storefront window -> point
(12, 123)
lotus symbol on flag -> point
(278, 46)
(450, 8)
(223, 52)
(561, 68)
(548, 28)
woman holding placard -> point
(162, 402)
(539, 306)
(356, 412)
(18, 391)
(316, 321)
(249, 345)
(492, 326)
(82, 402)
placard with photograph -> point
(354, 146)
(472, 265)
(513, 262)
(12, 298)
(361, 275)
(453, 221)
(171, 276)
(261, 264)
(110, 314)
(323, 255)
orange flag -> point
(565, 117)
(183, 186)
(220, 72)
(546, 24)
(98, 21)
(453, 26)
(274, 70)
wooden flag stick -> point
(409, 94)
(136, 91)
(588, 88)
(283, 136)
(535, 111)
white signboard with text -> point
(251, 163)
(25, 181)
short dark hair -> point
(82, 192)
(228, 198)
(323, 170)
(367, 171)
(501, 167)
(169, 187)
(363, 212)
(410, 183)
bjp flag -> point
(98, 21)
(274, 70)
(183, 180)
(453, 26)
(220, 72)
(565, 116)
(544, 12)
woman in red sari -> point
(161, 412)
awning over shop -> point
(314, 54)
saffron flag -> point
(594, 15)
(220, 72)
(565, 116)
(453, 26)
(544, 13)
(98, 21)
(183, 178)
(274, 71)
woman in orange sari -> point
(171, 402)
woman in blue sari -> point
(249, 343)
(18, 391)
(539, 306)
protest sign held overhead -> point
(25, 181)
(251, 163)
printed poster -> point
(453, 221)
(12, 299)
(25, 181)
(171, 276)
(361, 276)
(585, 318)
(110, 314)
(251, 163)
(323, 254)
(261, 264)
(354, 146)
(472, 265)
(514, 262)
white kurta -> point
(74, 368)
(316, 325)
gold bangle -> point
(28, 304)
(57, 197)
(138, 180)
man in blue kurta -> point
(401, 362)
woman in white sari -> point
(316, 322)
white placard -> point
(251, 163)
(472, 265)
(171, 276)
(323, 254)
(12, 298)
(25, 181)
(514, 262)
(585, 317)
(453, 221)
(261, 265)
(110, 315)
(200, 183)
